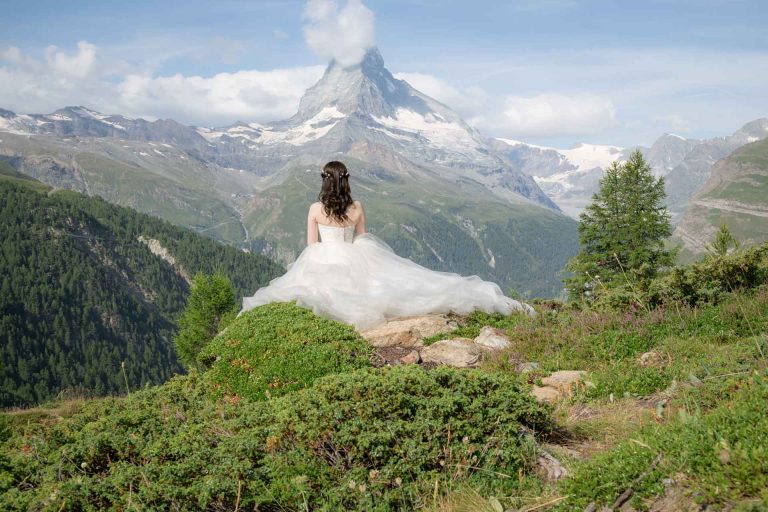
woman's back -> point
(318, 217)
(354, 212)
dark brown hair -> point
(335, 193)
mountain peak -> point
(371, 60)
(366, 88)
(757, 128)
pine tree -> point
(622, 232)
(723, 241)
(211, 300)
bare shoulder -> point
(315, 208)
(357, 203)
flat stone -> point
(564, 380)
(411, 357)
(492, 338)
(407, 332)
(546, 394)
(458, 352)
(651, 358)
(549, 467)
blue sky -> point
(552, 72)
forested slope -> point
(86, 285)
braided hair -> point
(335, 194)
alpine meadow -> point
(368, 255)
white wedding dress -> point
(359, 280)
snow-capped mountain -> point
(362, 109)
(439, 192)
(571, 176)
(568, 176)
(366, 104)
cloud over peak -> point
(342, 34)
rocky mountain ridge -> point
(736, 193)
(436, 189)
(570, 177)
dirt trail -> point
(732, 206)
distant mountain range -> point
(434, 188)
(736, 193)
(570, 177)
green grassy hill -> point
(82, 292)
(671, 416)
(736, 194)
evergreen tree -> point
(622, 232)
(211, 304)
(723, 241)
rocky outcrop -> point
(492, 338)
(457, 352)
(400, 341)
(156, 248)
(408, 332)
(559, 385)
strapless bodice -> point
(336, 233)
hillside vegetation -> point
(82, 293)
(671, 416)
(736, 194)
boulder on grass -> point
(564, 380)
(458, 352)
(492, 338)
(407, 332)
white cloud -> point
(82, 78)
(551, 115)
(78, 65)
(343, 34)
(520, 116)
(222, 98)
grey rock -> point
(493, 339)
(458, 352)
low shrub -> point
(707, 281)
(373, 439)
(698, 284)
(280, 347)
(720, 454)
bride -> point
(352, 276)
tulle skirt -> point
(365, 283)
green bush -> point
(707, 281)
(280, 347)
(373, 439)
(211, 304)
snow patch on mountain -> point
(432, 126)
(312, 129)
(513, 142)
(589, 156)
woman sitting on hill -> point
(352, 276)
